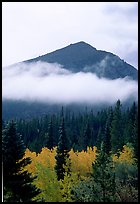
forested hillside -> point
(83, 157)
(84, 129)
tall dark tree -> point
(129, 124)
(17, 183)
(106, 139)
(135, 135)
(99, 138)
(49, 136)
(107, 132)
(117, 140)
(86, 136)
(62, 152)
(103, 177)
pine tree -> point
(49, 142)
(62, 152)
(87, 136)
(17, 183)
(130, 123)
(106, 139)
(107, 132)
(99, 138)
(116, 128)
(103, 177)
(135, 135)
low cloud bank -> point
(51, 83)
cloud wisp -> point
(51, 83)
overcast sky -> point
(30, 29)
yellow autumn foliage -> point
(125, 156)
(42, 166)
(81, 162)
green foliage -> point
(107, 132)
(101, 186)
(104, 176)
(47, 181)
(126, 170)
(49, 138)
(16, 182)
(87, 136)
(83, 191)
(71, 179)
(109, 181)
(116, 129)
(84, 128)
(62, 153)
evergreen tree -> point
(107, 132)
(130, 123)
(49, 142)
(17, 183)
(86, 137)
(99, 138)
(103, 177)
(106, 139)
(62, 153)
(135, 135)
(116, 128)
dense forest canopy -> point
(86, 128)
(78, 157)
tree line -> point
(114, 124)
(109, 130)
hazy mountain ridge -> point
(83, 57)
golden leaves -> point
(125, 156)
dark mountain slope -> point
(83, 57)
(75, 57)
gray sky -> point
(30, 29)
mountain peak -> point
(81, 56)
(81, 43)
(76, 47)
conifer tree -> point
(87, 136)
(62, 152)
(49, 142)
(117, 141)
(17, 183)
(99, 138)
(135, 135)
(107, 132)
(103, 177)
(106, 139)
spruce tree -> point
(17, 182)
(106, 139)
(135, 135)
(107, 132)
(130, 123)
(49, 142)
(103, 177)
(117, 140)
(99, 138)
(62, 152)
(87, 136)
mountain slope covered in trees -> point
(92, 157)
